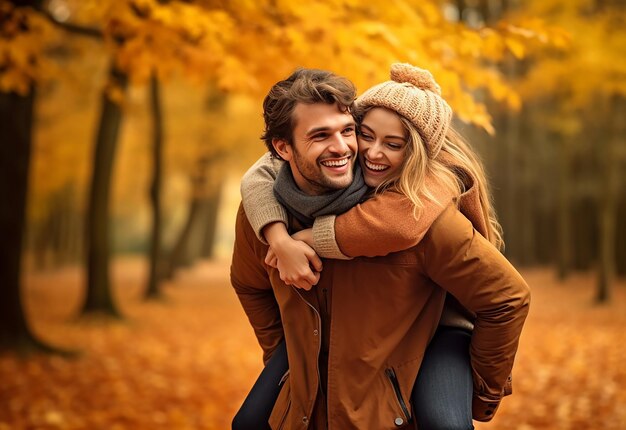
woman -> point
(416, 165)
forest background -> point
(126, 125)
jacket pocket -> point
(279, 414)
(391, 375)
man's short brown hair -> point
(307, 86)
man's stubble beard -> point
(316, 178)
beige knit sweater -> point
(257, 194)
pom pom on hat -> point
(421, 78)
(413, 94)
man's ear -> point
(283, 148)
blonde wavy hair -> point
(418, 165)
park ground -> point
(187, 361)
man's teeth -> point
(335, 163)
(375, 166)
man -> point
(354, 367)
(313, 129)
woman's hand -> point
(271, 259)
(305, 236)
(297, 263)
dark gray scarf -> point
(305, 208)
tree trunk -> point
(154, 276)
(511, 175)
(606, 263)
(56, 238)
(210, 220)
(65, 211)
(620, 251)
(180, 255)
(192, 240)
(41, 243)
(460, 6)
(563, 219)
(527, 192)
(99, 296)
(16, 115)
(608, 204)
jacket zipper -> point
(391, 374)
(284, 378)
(319, 340)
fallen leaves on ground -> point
(188, 361)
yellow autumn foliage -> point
(593, 69)
(238, 48)
(244, 46)
(24, 37)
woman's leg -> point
(442, 395)
(256, 409)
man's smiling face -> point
(323, 149)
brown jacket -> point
(384, 312)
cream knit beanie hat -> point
(414, 94)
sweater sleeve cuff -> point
(263, 216)
(324, 240)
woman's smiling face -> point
(382, 146)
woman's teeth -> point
(373, 166)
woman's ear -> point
(283, 148)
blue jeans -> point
(442, 394)
(257, 408)
(441, 397)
